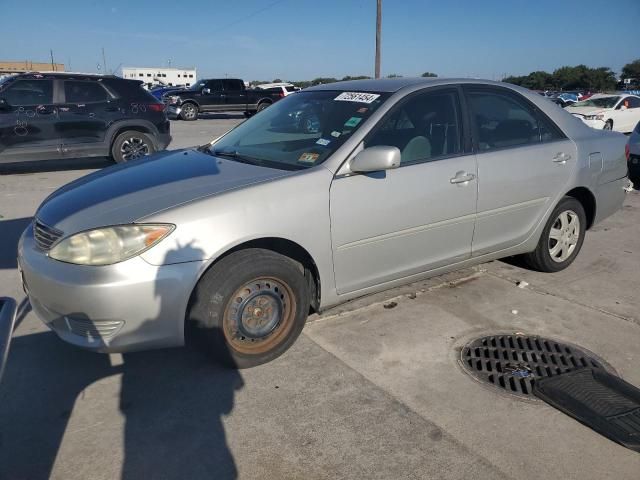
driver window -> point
(425, 127)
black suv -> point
(64, 115)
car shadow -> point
(221, 116)
(10, 231)
(172, 400)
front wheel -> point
(561, 239)
(249, 308)
(189, 111)
(608, 125)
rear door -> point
(86, 111)
(393, 224)
(28, 121)
(524, 162)
(235, 94)
(628, 117)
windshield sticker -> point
(352, 122)
(336, 134)
(357, 97)
(323, 141)
(308, 157)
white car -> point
(284, 88)
(608, 112)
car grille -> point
(44, 235)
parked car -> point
(67, 115)
(159, 92)
(218, 95)
(235, 242)
(608, 112)
(280, 88)
(633, 155)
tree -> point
(357, 77)
(632, 70)
(276, 80)
(394, 75)
(429, 75)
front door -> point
(524, 162)
(212, 96)
(396, 223)
(28, 121)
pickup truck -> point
(218, 95)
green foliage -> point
(394, 75)
(276, 80)
(632, 70)
(357, 77)
(429, 75)
(579, 77)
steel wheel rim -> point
(564, 236)
(259, 315)
(134, 147)
(189, 110)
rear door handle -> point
(462, 178)
(561, 157)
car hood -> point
(586, 110)
(125, 193)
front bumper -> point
(162, 141)
(128, 306)
(173, 111)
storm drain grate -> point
(514, 362)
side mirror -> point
(4, 105)
(206, 91)
(374, 159)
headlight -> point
(104, 246)
(594, 117)
(173, 99)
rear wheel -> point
(131, 145)
(262, 106)
(249, 308)
(189, 111)
(561, 239)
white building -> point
(154, 76)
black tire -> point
(131, 145)
(249, 289)
(189, 111)
(541, 258)
(608, 125)
(263, 105)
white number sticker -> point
(356, 97)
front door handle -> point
(462, 178)
(561, 157)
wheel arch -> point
(284, 247)
(142, 126)
(588, 201)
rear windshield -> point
(301, 130)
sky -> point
(304, 39)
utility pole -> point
(52, 66)
(104, 62)
(378, 36)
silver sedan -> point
(332, 193)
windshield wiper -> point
(234, 155)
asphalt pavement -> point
(372, 389)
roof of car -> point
(64, 75)
(394, 84)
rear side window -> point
(29, 92)
(233, 85)
(290, 89)
(503, 120)
(84, 92)
(425, 127)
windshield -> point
(602, 102)
(197, 86)
(5, 80)
(300, 131)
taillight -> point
(281, 94)
(156, 107)
(627, 152)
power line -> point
(251, 15)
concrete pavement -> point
(366, 392)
